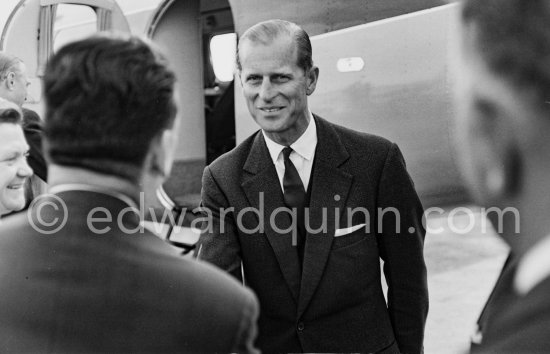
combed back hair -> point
(107, 97)
(8, 63)
(266, 32)
(513, 38)
(11, 115)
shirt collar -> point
(70, 187)
(304, 146)
(533, 267)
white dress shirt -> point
(533, 267)
(302, 155)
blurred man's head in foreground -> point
(110, 107)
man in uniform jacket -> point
(294, 212)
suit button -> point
(301, 326)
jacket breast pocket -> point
(350, 239)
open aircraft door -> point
(177, 28)
(36, 28)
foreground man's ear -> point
(501, 156)
(512, 170)
(162, 153)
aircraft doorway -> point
(198, 38)
(219, 48)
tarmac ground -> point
(463, 266)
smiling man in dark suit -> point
(79, 273)
(295, 209)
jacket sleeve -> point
(32, 127)
(219, 243)
(401, 242)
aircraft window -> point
(6, 7)
(73, 22)
(138, 12)
(129, 6)
(223, 49)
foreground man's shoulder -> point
(224, 286)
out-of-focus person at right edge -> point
(503, 140)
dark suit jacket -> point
(32, 126)
(336, 303)
(515, 324)
(80, 291)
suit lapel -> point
(330, 188)
(262, 183)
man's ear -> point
(312, 77)
(10, 80)
(239, 75)
(513, 171)
(162, 153)
(500, 154)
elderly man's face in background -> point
(21, 84)
(15, 84)
(14, 169)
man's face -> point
(275, 88)
(20, 85)
(14, 169)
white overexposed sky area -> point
(222, 46)
(6, 6)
